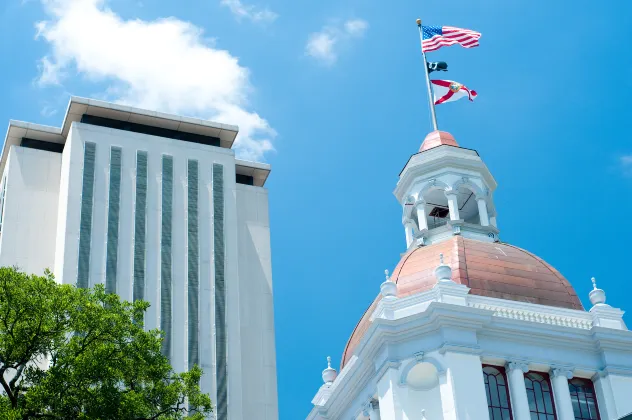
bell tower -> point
(446, 190)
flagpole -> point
(430, 96)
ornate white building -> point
(471, 328)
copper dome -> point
(438, 138)
(489, 269)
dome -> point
(489, 269)
(438, 138)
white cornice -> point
(439, 158)
(390, 341)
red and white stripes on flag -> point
(435, 37)
(448, 91)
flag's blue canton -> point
(430, 31)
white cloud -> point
(241, 10)
(320, 45)
(325, 44)
(164, 65)
(48, 111)
(356, 27)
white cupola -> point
(446, 190)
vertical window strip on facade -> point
(2, 194)
(165, 253)
(140, 222)
(497, 393)
(193, 261)
(220, 292)
(85, 221)
(540, 397)
(584, 399)
(114, 204)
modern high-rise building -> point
(155, 207)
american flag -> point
(435, 37)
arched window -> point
(468, 207)
(584, 399)
(436, 208)
(540, 397)
(497, 393)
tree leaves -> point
(68, 353)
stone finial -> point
(329, 374)
(443, 272)
(388, 288)
(423, 415)
(597, 296)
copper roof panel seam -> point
(403, 262)
(553, 270)
(343, 360)
(425, 260)
(519, 291)
(486, 275)
(508, 264)
(539, 285)
(531, 275)
(502, 258)
(499, 260)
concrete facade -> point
(179, 223)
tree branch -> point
(7, 389)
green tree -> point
(68, 353)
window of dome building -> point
(584, 399)
(540, 396)
(468, 209)
(497, 393)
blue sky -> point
(331, 93)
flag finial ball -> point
(418, 21)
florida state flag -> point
(448, 91)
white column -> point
(372, 410)
(448, 405)
(605, 398)
(421, 216)
(482, 211)
(518, 391)
(409, 227)
(390, 405)
(453, 205)
(462, 388)
(562, 394)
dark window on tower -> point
(42, 145)
(584, 399)
(153, 131)
(540, 397)
(440, 212)
(497, 393)
(245, 179)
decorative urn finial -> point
(597, 296)
(443, 272)
(329, 374)
(388, 288)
